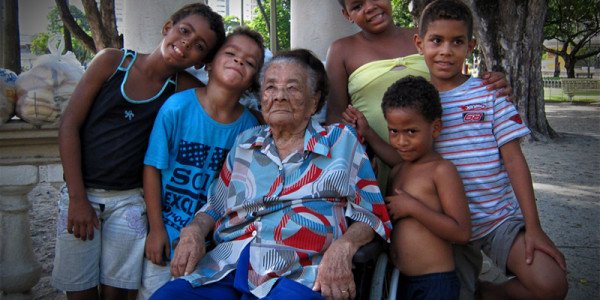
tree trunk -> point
(74, 28)
(569, 66)
(10, 54)
(511, 35)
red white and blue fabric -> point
(288, 211)
(475, 125)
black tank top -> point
(115, 134)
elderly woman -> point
(291, 206)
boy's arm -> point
(497, 81)
(380, 147)
(338, 98)
(520, 179)
(82, 219)
(453, 222)
(157, 242)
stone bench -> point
(576, 86)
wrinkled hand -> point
(398, 205)
(189, 251)
(334, 276)
(357, 119)
(157, 244)
(82, 219)
(497, 81)
(536, 239)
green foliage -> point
(231, 22)
(283, 24)
(401, 14)
(39, 44)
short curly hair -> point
(317, 76)
(215, 22)
(446, 10)
(413, 92)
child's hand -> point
(398, 205)
(157, 244)
(536, 239)
(497, 81)
(357, 119)
(82, 219)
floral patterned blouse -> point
(288, 211)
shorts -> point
(116, 254)
(153, 277)
(443, 286)
(496, 245)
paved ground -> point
(566, 174)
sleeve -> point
(219, 189)
(367, 204)
(157, 154)
(507, 123)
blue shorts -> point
(429, 286)
(116, 254)
(235, 286)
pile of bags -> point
(44, 91)
(8, 94)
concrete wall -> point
(317, 23)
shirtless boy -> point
(426, 198)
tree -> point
(401, 13)
(102, 22)
(231, 22)
(573, 23)
(10, 55)
(261, 23)
(510, 38)
(40, 41)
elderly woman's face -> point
(286, 97)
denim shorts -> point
(116, 254)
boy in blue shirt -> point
(192, 135)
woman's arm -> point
(191, 247)
(334, 276)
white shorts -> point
(154, 276)
(116, 254)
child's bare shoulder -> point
(444, 167)
(185, 81)
(106, 61)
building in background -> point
(243, 9)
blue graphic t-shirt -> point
(189, 148)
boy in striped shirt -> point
(480, 135)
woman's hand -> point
(157, 245)
(188, 251)
(334, 276)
